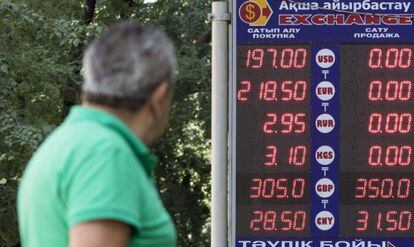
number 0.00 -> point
(391, 123)
(389, 156)
(390, 91)
(390, 58)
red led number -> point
(274, 91)
(280, 188)
(286, 59)
(288, 91)
(363, 221)
(278, 221)
(297, 156)
(271, 156)
(390, 91)
(391, 123)
(241, 94)
(389, 156)
(390, 221)
(391, 58)
(255, 58)
(384, 188)
(289, 122)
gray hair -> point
(125, 64)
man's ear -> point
(158, 99)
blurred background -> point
(41, 46)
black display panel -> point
(377, 107)
(273, 108)
(377, 138)
(274, 140)
(273, 147)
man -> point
(90, 183)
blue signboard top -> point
(324, 21)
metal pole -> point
(219, 123)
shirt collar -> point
(81, 113)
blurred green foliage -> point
(41, 46)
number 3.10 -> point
(297, 156)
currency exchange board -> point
(322, 123)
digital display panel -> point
(376, 138)
(376, 166)
(322, 125)
(273, 117)
(377, 101)
(273, 108)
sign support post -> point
(219, 123)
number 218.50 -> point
(274, 91)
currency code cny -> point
(274, 140)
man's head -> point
(129, 70)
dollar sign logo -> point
(250, 15)
(250, 12)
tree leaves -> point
(41, 46)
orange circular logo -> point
(250, 12)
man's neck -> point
(136, 121)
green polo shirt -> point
(92, 167)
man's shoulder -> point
(84, 133)
(84, 136)
(78, 149)
(78, 143)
